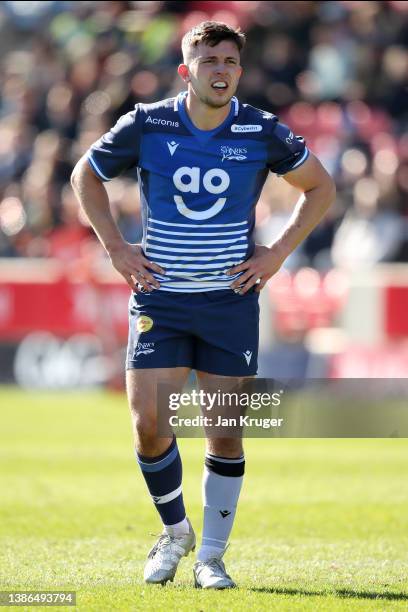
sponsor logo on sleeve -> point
(246, 128)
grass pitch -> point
(322, 524)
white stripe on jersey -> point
(299, 162)
(198, 281)
(157, 247)
(213, 275)
(186, 269)
(97, 169)
(193, 266)
(200, 266)
(159, 239)
(215, 257)
(201, 225)
(193, 287)
(153, 229)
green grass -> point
(322, 524)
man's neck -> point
(203, 116)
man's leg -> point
(160, 463)
(222, 482)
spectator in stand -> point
(369, 233)
(335, 71)
(66, 241)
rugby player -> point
(202, 159)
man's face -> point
(214, 73)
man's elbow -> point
(75, 174)
(329, 188)
(80, 171)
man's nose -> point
(220, 68)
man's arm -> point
(319, 192)
(128, 259)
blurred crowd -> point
(336, 72)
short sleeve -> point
(285, 150)
(118, 149)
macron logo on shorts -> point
(248, 356)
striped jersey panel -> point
(196, 257)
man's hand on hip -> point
(258, 269)
(130, 261)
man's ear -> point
(183, 72)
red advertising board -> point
(62, 307)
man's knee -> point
(142, 396)
(225, 447)
(144, 425)
(144, 413)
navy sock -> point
(163, 478)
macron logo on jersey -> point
(165, 122)
(246, 128)
(172, 147)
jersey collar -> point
(204, 135)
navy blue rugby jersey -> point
(198, 188)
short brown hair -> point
(211, 33)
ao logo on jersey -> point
(187, 180)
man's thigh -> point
(142, 386)
(224, 441)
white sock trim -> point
(178, 529)
(168, 497)
(210, 552)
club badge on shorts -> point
(144, 324)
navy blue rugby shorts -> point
(213, 331)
